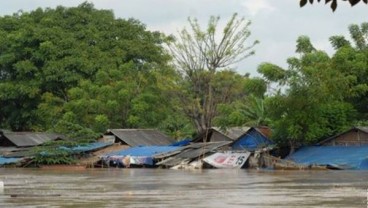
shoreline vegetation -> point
(80, 71)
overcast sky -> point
(275, 23)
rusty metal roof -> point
(28, 139)
(141, 137)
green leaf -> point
(334, 5)
(303, 3)
(354, 2)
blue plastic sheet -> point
(251, 141)
(4, 161)
(182, 142)
(87, 147)
(144, 151)
(141, 155)
(343, 157)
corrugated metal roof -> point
(229, 134)
(26, 139)
(141, 137)
(192, 151)
(363, 128)
(356, 128)
(20, 152)
(200, 149)
(7, 150)
(28, 152)
(344, 157)
(233, 132)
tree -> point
(333, 4)
(247, 109)
(84, 63)
(350, 59)
(311, 103)
(200, 55)
(255, 112)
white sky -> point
(275, 23)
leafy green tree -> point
(350, 59)
(200, 55)
(310, 103)
(79, 67)
(255, 112)
(248, 109)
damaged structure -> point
(191, 155)
(139, 137)
(15, 146)
(348, 150)
(216, 148)
(217, 134)
(252, 140)
(138, 156)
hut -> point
(347, 150)
(138, 137)
(333, 157)
(18, 144)
(139, 156)
(194, 152)
(216, 134)
(253, 139)
(26, 139)
(356, 136)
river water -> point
(96, 188)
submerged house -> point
(355, 136)
(139, 156)
(194, 152)
(14, 146)
(27, 139)
(348, 150)
(139, 137)
(216, 134)
(253, 139)
(334, 157)
(17, 144)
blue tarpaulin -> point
(182, 142)
(343, 157)
(4, 161)
(87, 147)
(251, 141)
(141, 155)
(144, 151)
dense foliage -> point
(80, 71)
(318, 95)
(52, 154)
(333, 3)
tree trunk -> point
(292, 147)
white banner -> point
(227, 160)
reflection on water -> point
(176, 188)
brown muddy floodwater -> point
(176, 188)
